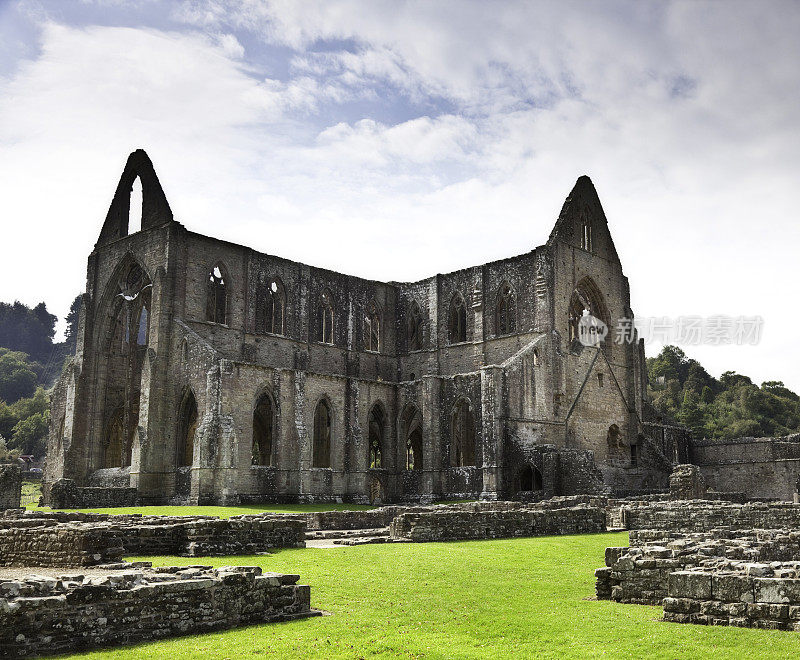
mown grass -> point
(520, 598)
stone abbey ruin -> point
(207, 372)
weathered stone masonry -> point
(81, 539)
(207, 372)
(40, 615)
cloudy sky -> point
(394, 140)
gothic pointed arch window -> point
(586, 299)
(414, 327)
(372, 328)
(457, 320)
(324, 327)
(270, 307)
(322, 436)
(217, 295)
(377, 424)
(187, 427)
(411, 429)
(505, 312)
(463, 435)
(263, 427)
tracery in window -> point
(324, 328)
(457, 320)
(271, 307)
(505, 314)
(377, 423)
(216, 296)
(411, 429)
(586, 299)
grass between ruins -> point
(515, 598)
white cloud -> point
(684, 114)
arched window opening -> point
(377, 423)
(271, 307)
(586, 299)
(505, 314)
(412, 432)
(187, 428)
(185, 352)
(457, 322)
(322, 436)
(536, 357)
(463, 436)
(114, 446)
(217, 300)
(324, 331)
(530, 479)
(372, 328)
(586, 236)
(263, 424)
(414, 327)
(135, 207)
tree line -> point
(30, 362)
(729, 407)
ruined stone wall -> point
(759, 467)
(59, 539)
(227, 364)
(10, 486)
(458, 525)
(72, 613)
(745, 578)
(745, 596)
(705, 515)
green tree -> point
(28, 330)
(30, 434)
(17, 378)
(71, 333)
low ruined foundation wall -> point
(383, 516)
(64, 494)
(81, 539)
(59, 545)
(641, 573)
(457, 525)
(704, 515)
(749, 596)
(45, 615)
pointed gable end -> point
(155, 208)
(582, 222)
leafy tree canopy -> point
(731, 407)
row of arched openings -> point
(271, 313)
(264, 421)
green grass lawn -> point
(521, 598)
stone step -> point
(346, 533)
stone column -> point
(491, 438)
